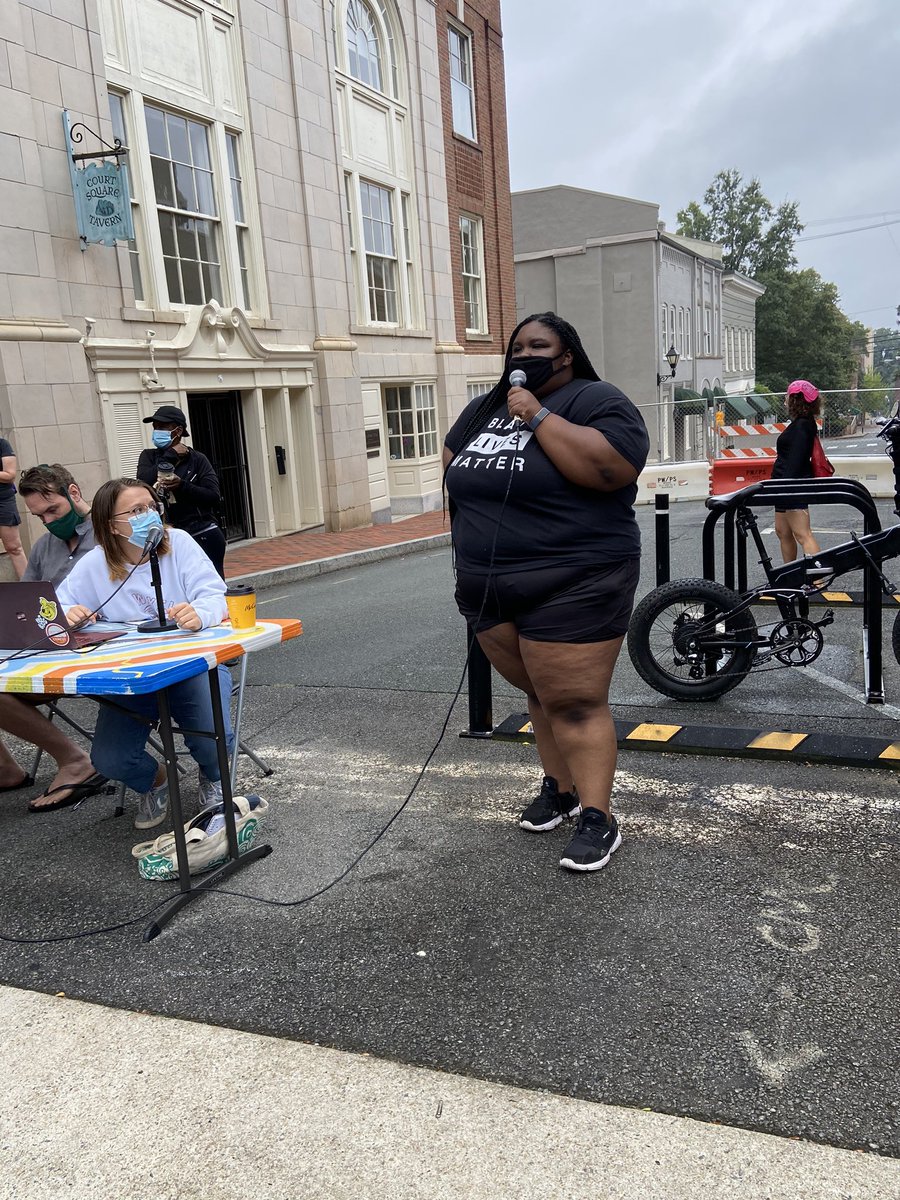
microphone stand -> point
(163, 624)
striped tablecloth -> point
(139, 663)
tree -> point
(801, 332)
(886, 355)
(873, 395)
(758, 239)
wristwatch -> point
(538, 417)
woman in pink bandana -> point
(793, 461)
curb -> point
(338, 562)
(729, 742)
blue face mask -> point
(162, 438)
(141, 526)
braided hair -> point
(496, 397)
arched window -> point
(364, 55)
(377, 156)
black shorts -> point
(553, 604)
(9, 514)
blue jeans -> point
(118, 747)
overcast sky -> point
(650, 98)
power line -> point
(890, 212)
(815, 237)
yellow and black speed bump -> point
(723, 740)
(838, 599)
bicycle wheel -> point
(674, 634)
(895, 637)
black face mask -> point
(538, 370)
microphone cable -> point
(434, 749)
(98, 930)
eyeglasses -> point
(137, 511)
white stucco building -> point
(632, 290)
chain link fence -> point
(690, 426)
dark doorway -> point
(216, 423)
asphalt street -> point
(736, 962)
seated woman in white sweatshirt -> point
(124, 511)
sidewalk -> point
(101, 1102)
(293, 556)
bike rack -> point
(781, 492)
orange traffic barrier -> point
(730, 474)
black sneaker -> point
(596, 838)
(549, 808)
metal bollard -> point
(663, 561)
(481, 722)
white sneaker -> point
(153, 807)
(210, 790)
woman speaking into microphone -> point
(541, 475)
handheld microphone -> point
(517, 379)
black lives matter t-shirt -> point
(547, 521)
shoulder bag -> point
(821, 467)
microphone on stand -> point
(163, 624)
(517, 379)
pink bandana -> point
(802, 386)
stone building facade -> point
(296, 282)
(739, 297)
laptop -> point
(32, 618)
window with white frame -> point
(380, 207)
(411, 421)
(186, 206)
(688, 351)
(663, 326)
(197, 235)
(120, 130)
(707, 330)
(470, 236)
(363, 45)
(679, 344)
(462, 91)
(380, 247)
(670, 338)
(477, 388)
(240, 219)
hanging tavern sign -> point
(100, 188)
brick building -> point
(321, 267)
(474, 109)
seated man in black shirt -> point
(186, 481)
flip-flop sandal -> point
(26, 781)
(77, 793)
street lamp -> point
(672, 359)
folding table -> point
(137, 664)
